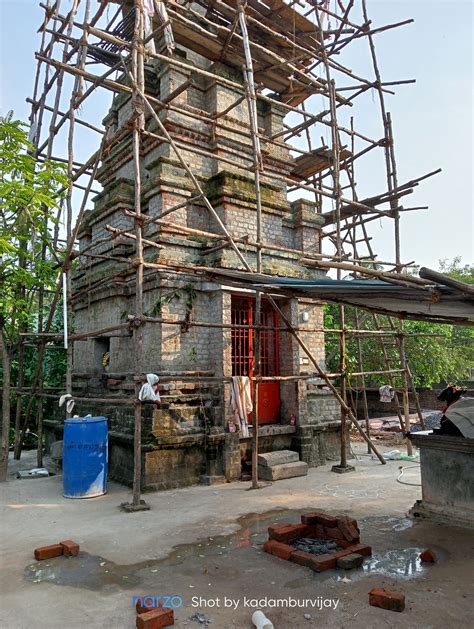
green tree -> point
(30, 192)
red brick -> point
(70, 548)
(393, 601)
(283, 551)
(318, 563)
(319, 518)
(287, 532)
(267, 547)
(302, 558)
(354, 524)
(310, 518)
(343, 543)
(351, 534)
(428, 555)
(360, 549)
(316, 531)
(342, 553)
(155, 619)
(323, 562)
(275, 529)
(48, 552)
(327, 520)
(334, 533)
(143, 609)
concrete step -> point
(285, 470)
(278, 457)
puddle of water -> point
(96, 573)
(399, 563)
(84, 571)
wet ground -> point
(195, 546)
(98, 573)
(204, 573)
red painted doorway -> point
(243, 313)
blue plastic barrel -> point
(85, 456)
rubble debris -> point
(432, 421)
(393, 601)
(429, 556)
(202, 619)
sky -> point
(432, 119)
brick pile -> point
(68, 548)
(341, 529)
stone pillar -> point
(232, 464)
(291, 402)
(307, 224)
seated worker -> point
(449, 396)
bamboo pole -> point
(337, 195)
(257, 166)
(138, 85)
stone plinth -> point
(447, 470)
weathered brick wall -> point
(178, 437)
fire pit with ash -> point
(321, 542)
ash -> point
(316, 546)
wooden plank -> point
(318, 160)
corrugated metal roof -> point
(430, 302)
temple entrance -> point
(243, 360)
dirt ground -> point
(204, 544)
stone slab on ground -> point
(280, 457)
(286, 470)
(348, 562)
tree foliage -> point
(31, 192)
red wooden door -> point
(243, 360)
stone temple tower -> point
(188, 440)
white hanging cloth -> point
(241, 402)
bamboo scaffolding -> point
(145, 124)
(257, 167)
